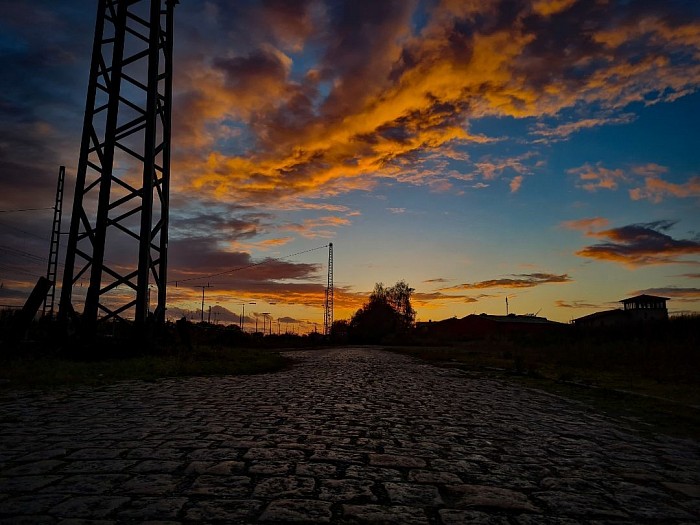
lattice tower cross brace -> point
(121, 201)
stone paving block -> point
(491, 497)
(223, 510)
(18, 484)
(318, 470)
(297, 511)
(92, 507)
(198, 467)
(226, 468)
(95, 453)
(230, 486)
(374, 473)
(386, 515)
(151, 484)
(391, 460)
(433, 476)
(413, 494)
(34, 504)
(38, 455)
(692, 491)
(28, 520)
(579, 505)
(287, 486)
(274, 454)
(105, 466)
(88, 484)
(34, 468)
(157, 466)
(270, 468)
(341, 456)
(347, 490)
(460, 517)
(161, 453)
(160, 508)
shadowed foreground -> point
(348, 435)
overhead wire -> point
(252, 265)
(26, 209)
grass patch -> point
(653, 382)
(42, 371)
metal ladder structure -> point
(52, 270)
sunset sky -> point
(547, 151)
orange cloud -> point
(318, 227)
(381, 93)
(515, 183)
(516, 281)
(592, 178)
(563, 131)
(656, 189)
(587, 225)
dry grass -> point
(650, 374)
(50, 371)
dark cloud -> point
(640, 244)
(516, 281)
(689, 295)
(202, 257)
(438, 280)
(575, 304)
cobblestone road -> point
(345, 436)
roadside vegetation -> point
(50, 371)
(48, 358)
(649, 373)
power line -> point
(23, 231)
(266, 261)
(26, 209)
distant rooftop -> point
(644, 298)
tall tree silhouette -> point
(388, 314)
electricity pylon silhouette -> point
(328, 311)
(119, 223)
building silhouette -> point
(637, 309)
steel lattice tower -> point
(119, 223)
(328, 313)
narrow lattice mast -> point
(52, 270)
(118, 234)
(328, 313)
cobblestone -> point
(352, 435)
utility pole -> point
(264, 314)
(242, 320)
(203, 287)
(127, 123)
